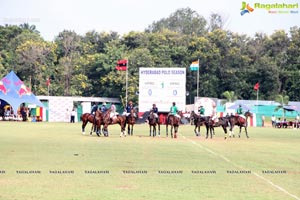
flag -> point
(194, 66)
(48, 82)
(122, 65)
(256, 86)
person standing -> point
(73, 114)
(273, 119)
(263, 120)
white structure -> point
(59, 107)
(162, 86)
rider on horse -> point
(201, 111)
(239, 111)
(174, 110)
(155, 112)
(214, 115)
(103, 107)
(94, 108)
(113, 113)
(128, 108)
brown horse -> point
(174, 122)
(130, 120)
(153, 122)
(199, 121)
(221, 121)
(96, 120)
(239, 121)
(118, 119)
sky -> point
(53, 16)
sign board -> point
(162, 86)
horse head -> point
(151, 118)
(248, 114)
(131, 117)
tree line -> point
(84, 65)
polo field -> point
(54, 161)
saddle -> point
(242, 120)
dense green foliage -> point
(85, 65)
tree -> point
(68, 50)
(230, 96)
(183, 21)
(216, 21)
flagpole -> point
(198, 78)
(126, 95)
(257, 100)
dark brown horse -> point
(153, 122)
(118, 119)
(130, 120)
(239, 121)
(221, 121)
(174, 122)
(199, 121)
(96, 120)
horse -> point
(174, 122)
(130, 120)
(239, 121)
(199, 121)
(118, 119)
(223, 122)
(152, 121)
(96, 120)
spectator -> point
(73, 114)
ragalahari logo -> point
(246, 8)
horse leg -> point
(246, 132)
(167, 130)
(225, 131)
(154, 131)
(240, 131)
(150, 130)
(158, 130)
(231, 133)
(195, 130)
(131, 130)
(128, 129)
(171, 131)
(98, 130)
(83, 127)
(175, 131)
(207, 129)
(92, 129)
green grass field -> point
(54, 161)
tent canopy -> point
(14, 92)
(235, 106)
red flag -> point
(48, 82)
(256, 86)
(122, 65)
